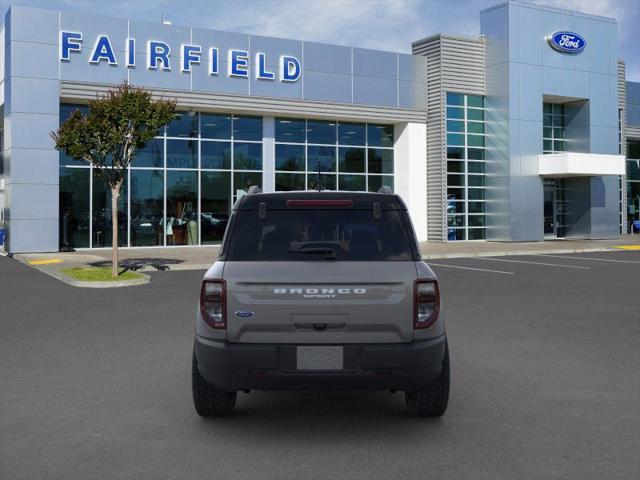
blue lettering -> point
(69, 42)
(131, 52)
(190, 55)
(261, 68)
(238, 63)
(158, 52)
(290, 70)
(213, 61)
(103, 51)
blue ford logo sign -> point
(244, 314)
(567, 42)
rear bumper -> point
(405, 366)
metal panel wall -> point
(454, 64)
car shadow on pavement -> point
(320, 414)
(159, 264)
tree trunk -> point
(115, 193)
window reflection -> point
(215, 204)
(182, 197)
(102, 230)
(147, 187)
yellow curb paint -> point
(628, 247)
(47, 261)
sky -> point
(378, 24)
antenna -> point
(320, 186)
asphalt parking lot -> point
(545, 355)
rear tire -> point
(433, 400)
(207, 399)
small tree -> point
(117, 126)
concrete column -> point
(410, 167)
(268, 154)
(31, 111)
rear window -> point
(309, 235)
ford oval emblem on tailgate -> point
(243, 314)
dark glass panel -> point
(455, 167)
(321, 157)
(475, 153)
(351, 160)
(151, 155)
(247, 128)
(290, 157)
(247, 156)
(454, 208)
(215, 205)
(377, 181)
(182, 153)
(455, 152)
(242, 181)
(147, 191)
(289, 181)
(455, 180)
(184, 124)
(290, 130)
(475, 101)
(455, 193)
(327, 181)
(74, 207)
(355, 183)
(351, 133)
(215, 126)
(455, 113)
(476, 167)
(455, 126)
(477, 115)
(320, 131)
(475, 127)
(380, 135)
(477, 220)
(455, 234)
(182, 208)
(476, 207)
(477, 234)
(380, 161)
(476, 193)
(216, 155)
(455, 139)
(455, 221)
(455, 98)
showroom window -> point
(552, 128)
(465, 130)
(179, 189)
(633, 183)
(338, 155)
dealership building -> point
(525, 133)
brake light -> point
(213, 303)
(319, 203)
(426, 303)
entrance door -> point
(554, 208)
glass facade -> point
(332, 155)
(633, 185)
(465, 122)
(552, 128)
(179, 189)
(181, 186)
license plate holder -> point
(319, 357)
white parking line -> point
(531, 263)
(469, 268)
(591, 258)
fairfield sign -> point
(159, 56)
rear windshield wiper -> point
(329, 253)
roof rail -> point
(254, 189)
(386, 190)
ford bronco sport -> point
(320, 290)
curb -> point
(85, 284)
(518, 252)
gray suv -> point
(320, 290)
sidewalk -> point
(200, 258)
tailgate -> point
(320, 302)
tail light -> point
(426, 303)
(213, 303)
